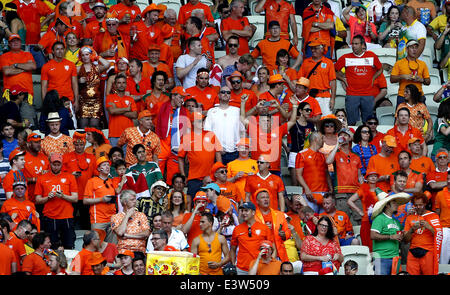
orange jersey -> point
(21, 210)
(93, 28)
(6, 259)
(402, 139)
(195, 230)
(248, 166)
(96, 188)
(140, 89)
(35, 265)
(145, 35)
(18, 246)
(423, 165)
(31, 14)
(23, 79)
(132, 136)
(205, 97)
(321, 77)
(419, 114)
(346, 167)
(249, 243)
(273, 183)
(118, 123)
(267, 143)
(228, 24)
(61, 144)
(342, 222)
(442, 202)
(57, 208)
(200, 150)
(268, 51)
(84, 163)
(423, 237)
(80, 263)
(314, 169)
(59, 76)
(235, 99)
(230, 190)
(34, 167)
(383, 166)
(153, 103)
(100, 151)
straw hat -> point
(384, 198)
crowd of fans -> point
(143, 139)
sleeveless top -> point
(210, 253)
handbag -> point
(418, 252)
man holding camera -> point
(57, 190)
(100, 195)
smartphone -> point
(113, 199)
(267, 103)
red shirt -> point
(359, 72)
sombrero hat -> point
(384, 198)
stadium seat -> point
(427, 57)
(361, 255)
(342, 51)
(386, 115)
(219, 53)
(252, 4)
(70, 255)
(207, 2)
(258, 21)
(429, 45)
(174, 4)
(292, 190)
(79, 239)
(444, 73)
(299, 21)
(429, 92)
(357, 231)
(444, 268)
(386, 55)
(433, 110)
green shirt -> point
(386, 225)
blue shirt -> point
(8, 147)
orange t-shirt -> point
(6, 258)
(186, 10)
(273, 183)
(31, 14)
(118, 123)
(342, 223)
(249, 246)
(49, 38)
(271, 268)
(247, 166)
(195, 230)
(18, 246)
(235, 99)
(139, 89)
(267, 143)
(296, 221)
(96, 188)
(23, 79)
(148, 70)
(314, 169)
(35, 264)
(281, 12)
(422, 237)
(442, 203)
(22, 209)
(383, 166)
(57, 208)
(322, 75)
(59, 76)
(230, 190)
(200, 150)
(206, 97)
(228, 24)
(84, 163)
(402, 139)
(123, 9)
(80, 263)
(346, 167)
(8, 181)
(34, 167)
(268, 51)
(153, 103)
(93, 28)
(423, 165)
(145, 36)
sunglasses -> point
(260, 162)
(222, 171)
(328, 125)
(233, 45)
(236, 82)
(225, 92)
(307, 110)
(365, 131)
(111, 25)
(372, 123)
(442, 157)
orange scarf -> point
(119, 45)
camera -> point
(112, 199)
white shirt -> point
(377, 8)
(226, 125)
(176, 240)
(184, 61)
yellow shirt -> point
(339, 27)
(439, 23)
(73, 56)
(247, 166)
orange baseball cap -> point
(15, 152)
(96, 258)
(65, 20)
(413, 140)
(125, 252)
(390, 140)
(33, 137)
(200, 195)
(236, 74)
(275, 79)
(145, 113)
(370, 172)
(303, 81)
(180, 90)
(315, 42)
(153, 47)
(14, 36)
